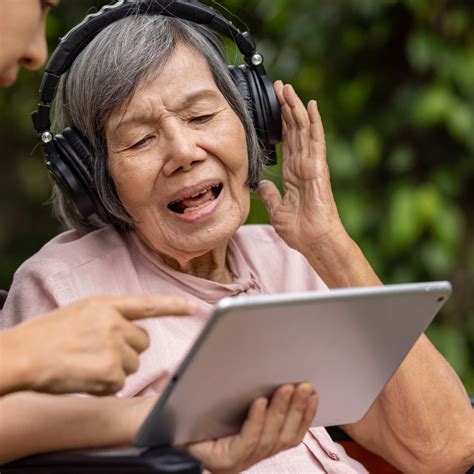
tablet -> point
(346, 342)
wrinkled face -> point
(178, 158)
(22, 38)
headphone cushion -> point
(238, 76)
(79, 150)
(261, 102)
(258, 102)
(75, 161)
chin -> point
(207, 239)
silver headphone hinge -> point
(256, 59)
(46, 137)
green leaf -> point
(403, 224)
(368, 146)
(433, 105)
(452, 343)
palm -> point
(307, 211)
(217, 454)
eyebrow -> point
(187, 102)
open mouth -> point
(197, 200)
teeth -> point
(200, 192)
(204, 191)
(192, 209)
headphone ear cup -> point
(240, 81)
(262, 103)
(270, 107)
(70, 166)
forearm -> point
(340, 263)
(423, 417)
(16, 372)
(422, 421)
(32, 423)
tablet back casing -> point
(346, 342)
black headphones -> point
(68, 155)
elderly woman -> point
(176, 157)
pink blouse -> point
(71, 267)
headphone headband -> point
(82, 34)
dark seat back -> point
(3, 297)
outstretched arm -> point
(33, 423)
(422, 421)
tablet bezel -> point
(160, 426)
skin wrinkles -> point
(181, 148)
(197, 103)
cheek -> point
(134, 184)
(234, 148)
(20, 25)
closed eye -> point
(141, 143)
(202, 119)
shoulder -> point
(258, 234)
(66, 269)
(71, 250)
(279, 267)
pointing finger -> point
(148, 306)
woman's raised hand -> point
(88, 346)
(307, 212)
(270, 427)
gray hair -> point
(104, 78)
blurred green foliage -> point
(394, 81)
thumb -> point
(269, 194)
(148, 306)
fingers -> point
(253, 425)
(147, 306)
(316, 130)
(289, 415)
(285, 108)
(274, 421)
(130, 361)
(303, 132)
(299, 114)
(308, 417)
(269, 194)
(233, 453)
(300, 415)
(136, 337)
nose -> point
(36, 52)
(182, 150)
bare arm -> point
(32, 423)
(422, 421)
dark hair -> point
(105, 76)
